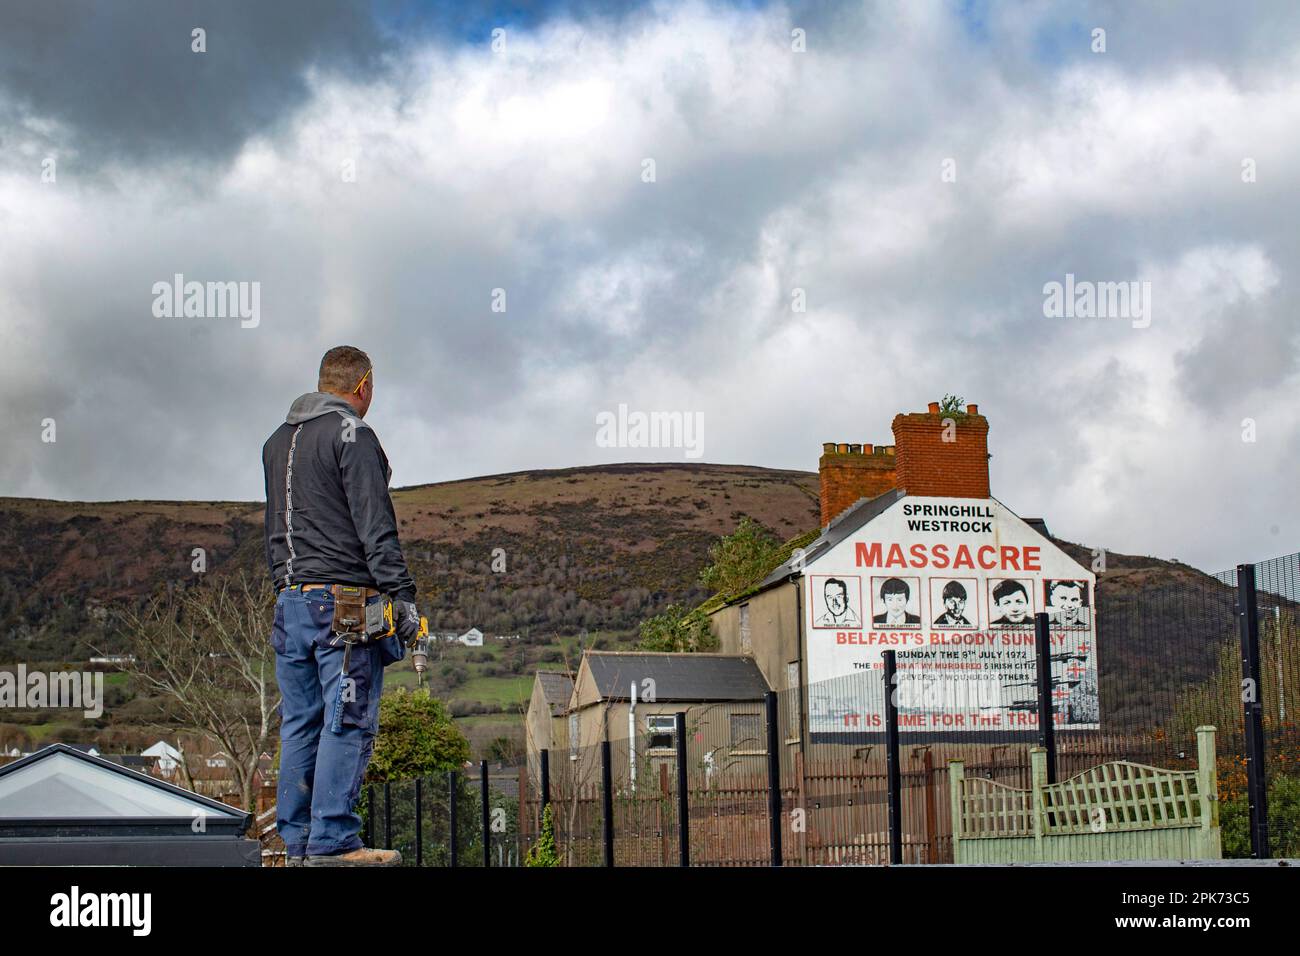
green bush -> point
(543, 852)
(1283, 821)
(417, 738)
(453, 674)
(677, 629)
(952, 406)
(741, 559)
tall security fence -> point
(813, 776)
(1176, 651)
(461, 818)
(1267, 676)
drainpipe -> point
(797, 581)
(631, 736)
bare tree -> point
(204, 651)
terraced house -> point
(916, 555)
(913, 554)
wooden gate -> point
(1115, 811)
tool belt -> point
(356, 620)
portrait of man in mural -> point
(953, 598)
(1067, 603)
(895, 595)
(837, 607)
(1010, 605)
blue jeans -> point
(321, 771)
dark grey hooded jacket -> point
(329, 518)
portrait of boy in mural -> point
(895, 594)
(1067, 603)
(953, 598)
(1011, 606)
(837, 607)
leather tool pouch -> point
(349, 611)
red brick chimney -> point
(849, 472)
(931, 466)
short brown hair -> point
(341, 370)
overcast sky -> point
(522, 168)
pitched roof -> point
(814, 544)
(557, 689)
(782, 555)
(677, 677)
(130, 760)
(1039, 525)
(62, 782)
(848, 521)
(161, 749)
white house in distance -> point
(168, 757)
(471, 638)
(114, 660)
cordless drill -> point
(419, 647)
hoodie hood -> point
(315, 404)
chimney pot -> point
(929, 466)
(828, 448)
(934, 408)
(972, 409)
(847, 475)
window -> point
(746, 644)
(747, 733)
(663, 731)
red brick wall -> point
(927, 465)
(847, 475)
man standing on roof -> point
(331, 536)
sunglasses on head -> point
(363, 381)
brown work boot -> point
(361, 856)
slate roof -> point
(677, 677)
(848, 521)
(557, 689)
(131, 761)
(1039, 525)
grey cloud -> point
(1244, 360)
(125, 87)
(405, 268)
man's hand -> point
(406, 621)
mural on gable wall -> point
(952, 585)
